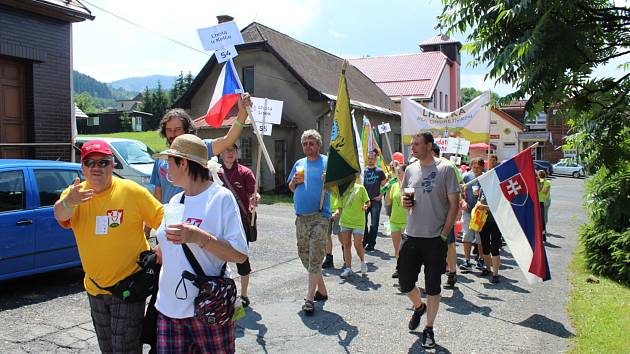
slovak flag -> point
(225, 96)
(512, 196)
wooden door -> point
(12, 112)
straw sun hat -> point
(191, 148)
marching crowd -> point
(195, 302)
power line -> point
(146, 29)
(174, 40)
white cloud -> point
(478, 82)
(109, 48)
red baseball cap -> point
(95, 146)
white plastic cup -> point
(173, 214)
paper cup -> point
(173, 214)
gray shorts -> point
(469, 235)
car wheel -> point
(576, 174)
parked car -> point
(31, 240)
(570, 168)
(544, 165)
(133, 159)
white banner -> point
(269, 112)
(471, 121)
(225, 54)
(265, 128)
(221, 36)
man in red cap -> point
(107, 215)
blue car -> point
(31, 240)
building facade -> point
(36, 109)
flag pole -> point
(261, 143)
(344, 66)
(476, 178)
(256, 185)
(258, 161)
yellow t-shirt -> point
(110, 233)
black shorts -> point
(416, 252)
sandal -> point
(320, 297)
(308, 307)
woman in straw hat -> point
(209, 230)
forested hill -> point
(85, 83)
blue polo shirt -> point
(307, 195)
(160, 171)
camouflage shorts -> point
(311, 231)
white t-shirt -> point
(214, 211)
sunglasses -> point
(101, 163)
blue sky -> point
(109, 49)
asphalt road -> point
(50, 313)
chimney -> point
(224, 18)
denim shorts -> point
(354, 231)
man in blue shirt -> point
(177, 122)
(373, 179)
(306, 181)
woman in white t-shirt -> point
(210, 230)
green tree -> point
(469, 93)
(86, 103)
(548, 51)
(160, 103)
(178, 87)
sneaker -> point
(451, 279)
(346, 272)
(395, 274)
(328, 262)
(495, 279)
(245, 301)
(466, 266)
(485, 272)
(428, 338)
(364, 268)
(369, 248)
(414, 322)
(480, 263)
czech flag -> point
(225, 95)
(512, 196)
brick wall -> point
(44, 44)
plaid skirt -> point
(190, 335)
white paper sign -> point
(458, 146)
(224, 35)
(271, 113)
(456, 160)
(384, 128)
(225, 54)
(442, 143)
(265, 128)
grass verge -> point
(599, 312)
(272, 198)
(149, 138)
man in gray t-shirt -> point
(432, 209)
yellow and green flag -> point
(343, 160)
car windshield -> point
(133, 152)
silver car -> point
(569, 168)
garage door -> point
(12, 117)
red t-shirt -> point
(243, 184)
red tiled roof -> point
(407, 74)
